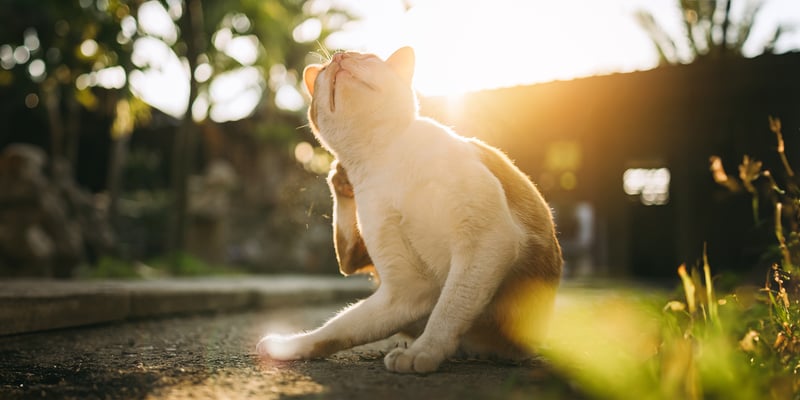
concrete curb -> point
(36, 305)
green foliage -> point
(70, 45)
(755, 335)
(109, 267)
(630, 345)
(175, 265)
(58, 46)
(183, 264)
(706, 341)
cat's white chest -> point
(431, 188)
(417, 226)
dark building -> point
(624, 158)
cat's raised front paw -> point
(412, 361)
(281, 347)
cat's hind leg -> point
(351, 252)
(404, 297)
(381, 315)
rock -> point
(209, 211)
(46, 223)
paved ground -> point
(212, 356)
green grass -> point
(699, 345)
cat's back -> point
(520, 191)
(529, 208)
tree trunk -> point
(51, 93)
(72, 132)
(185, 145)
(116, 163)
(725, 26)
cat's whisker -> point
(322, 57)
(324, 51)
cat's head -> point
(360, 90)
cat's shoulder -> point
(432, 125)
(434, 135)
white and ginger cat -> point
(462, 242)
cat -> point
(462, 242)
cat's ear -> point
(402, 61)
(310, 76)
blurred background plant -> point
(742, 343)
(630, 345)
(711, 30)
(170, 163)
(775, 199)
(773, 340)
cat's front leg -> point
(474, 277)
(424, 355)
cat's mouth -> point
(338, 70)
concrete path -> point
(195, 338)
(212, 356)
(37, 305)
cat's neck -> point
(359, 149)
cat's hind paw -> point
(412, 361)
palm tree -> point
(711, 30)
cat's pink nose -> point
(338, 57)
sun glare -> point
(468, 45)
(461, 46)
(464, 46)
